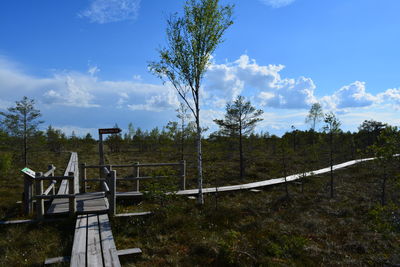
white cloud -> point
(72, 94)
(284, 100)
(277, 3)
(391, 96)
(226, 81)
(166, 100)
(350, 96)
(83, 90)
(93, 70)
(79, 131)
(105, 11)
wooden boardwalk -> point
(95, 202)
(93, 242)
(289, 178)
(64, 186)
(254, 185)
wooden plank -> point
(93, 250)
(93, 202)
(78, 254)
(110, 255)
(129, 251)
(255, 190)
(29, 221)
(51, 186)
(58, 205)
(133, 214)
(129, 194)
(57, 260)
(18, 221)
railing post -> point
(28, 195)
(71, 191)
(82, 174)
(51, 167)
(183, 174)
(112, 185)
(39, 192)
(136, 173)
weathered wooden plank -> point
(93, 251)
(63, 196)
(110, 255)
(78, 254)
(133, 214)
(50, 187)
(144, 177)
(57, 260)
(85, 203)
(58, 205)
(129, 251)
(30, 221)
(129, 194)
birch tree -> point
(191, 40)
(315, 115)
(332, 127)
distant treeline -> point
(170, 138)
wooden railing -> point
(41, 195)
(106, 169)
(108, 184)
(29, 188)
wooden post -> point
(136, 173)
(112, 185)
(28, 194)
(101, 154)
(51, 166)
(71, 191)
(183, 174)
(39, 192)
(82, 174)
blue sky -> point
(85, 62)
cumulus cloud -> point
(72, 94)
(226, 81)
(391, 96)
(162, 101)
(350, 96)
(68, 93)
(82, 90)
(105, 11)
(277, 3)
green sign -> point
(29, 172)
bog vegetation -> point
(349, 216)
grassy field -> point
(231, 229)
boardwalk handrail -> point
(29, 186)
(136, 172)
(51, 168)
(41, 195)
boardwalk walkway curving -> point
(271, 181)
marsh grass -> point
(244, 229)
